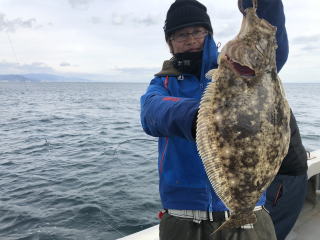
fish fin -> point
(236, 221)
(281, 87)
(255, 4)
(211, 74)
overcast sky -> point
(123, 40)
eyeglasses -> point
(182, 37)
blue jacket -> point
(168, 109)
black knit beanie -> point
(186, 13)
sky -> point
(123, 40)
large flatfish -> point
(243, 122)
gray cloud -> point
(146, 20)
(124, 19)
(138, 70)
(307, 43)
(16, 68)
(306, 39)
(95, 20)
(65, 64)
(13, 25)
(117, 19)
(223, 15)
(310, 48)
(80, 4)
(128, 74)
(228, 29)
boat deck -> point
(307, 226)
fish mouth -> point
(242, 70)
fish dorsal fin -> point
(240, 5)
(212, 74)
(255, 4)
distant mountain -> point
(39, 77)
(44, 77)
(15, 78)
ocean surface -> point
(75, 163)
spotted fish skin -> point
(243, 128)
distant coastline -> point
(39, 77)
(46, 77)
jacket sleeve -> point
(165, 116)
(272, 11)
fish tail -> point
(236, 221)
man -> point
(169, 110)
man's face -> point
(189, 39)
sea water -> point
(75, 163)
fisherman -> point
(192, 210)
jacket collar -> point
(168, 69)
(209, 60)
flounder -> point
(243, 128)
